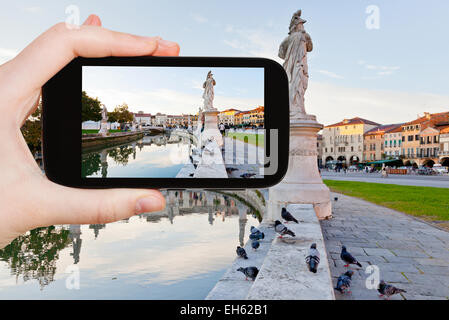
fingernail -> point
(165, 44)
(149, 204)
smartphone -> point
(167, 123)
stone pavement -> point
(410, 254)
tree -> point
(121, 114)
(32, 130)
(90, 108)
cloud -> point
(33, 9)
(332, 103)
(330, 74)
(198, 18)
(380, 70)
(254, 42)
(7, 54)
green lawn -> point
(96, 131)
(251, 138)
(425, 202)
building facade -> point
(227, 117)
(343, 141)
(444, 147)
(393, 142)
(425, 151)
(374, 142)
(143, 118)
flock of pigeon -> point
(344, 281)
(312, 259)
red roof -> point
(356, 120)
(140, 115)
(383, 129)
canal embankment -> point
(93, 142)
(283, 272)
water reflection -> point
(138, 252)
(150, 156)
(34, 255)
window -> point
(325, 150)
(403, 138)
(410, 138)
(352, 149)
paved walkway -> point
(440, 181)
(410, 254)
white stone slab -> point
(284, 274)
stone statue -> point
(208, 94)
(104, 113)
(293, 51)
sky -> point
(387, 74)
(173, 91)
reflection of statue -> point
(75, 235)
(208, 94)
(97, 228)
(294, 51)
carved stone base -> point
(103, 128)
(211, 128)
(302, 183)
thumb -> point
(63, 205)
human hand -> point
(27, 198)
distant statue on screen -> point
(104, 113)
(293, 51)
(208, 94)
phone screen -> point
(172, 122)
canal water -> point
(158, 156)
(178, 253)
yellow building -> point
(227, 116)
(257, 116)
(343, 141)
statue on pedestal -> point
(104, 121)
(208, 94)
(294, 51)
(302, 184)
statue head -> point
(296, 22)
(209, 75)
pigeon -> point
(249, 272)
(282, 230)
(287, 216)
(313, 259)
(253, 229)
(344, 281)
(256, 236)
(247, 175)
(241, 252)
(348, 258)
(388, 290)
(255, 244)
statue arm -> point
(309, 43)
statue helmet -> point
(296, 19)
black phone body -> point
(69, 162)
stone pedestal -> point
(211, 128)
(103, 128)
(302, 183)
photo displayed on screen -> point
(172, 122)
